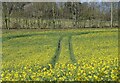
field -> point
(60, 55)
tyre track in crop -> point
(64, 57)
(57, 53)
(72, 57)
(71, 52)
(48, 34)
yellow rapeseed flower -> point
(95, 77)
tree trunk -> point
(6, 22)
(111, 14)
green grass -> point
(86, 54)
(64, 55)
(100, 44)
(24, 49)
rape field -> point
(64, 55)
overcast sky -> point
(59, 0)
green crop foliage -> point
(65, 55)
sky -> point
(59, 0)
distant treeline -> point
(55, 15)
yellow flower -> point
(90, 77)
(16, 75)
(49, 74)
(78, 73)
(2, 74)
(25, 68)
(50, 66)
(45, 73)
(95, 77)
(93, 68)
(84, 74)
(103, 69)
(44, 69)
